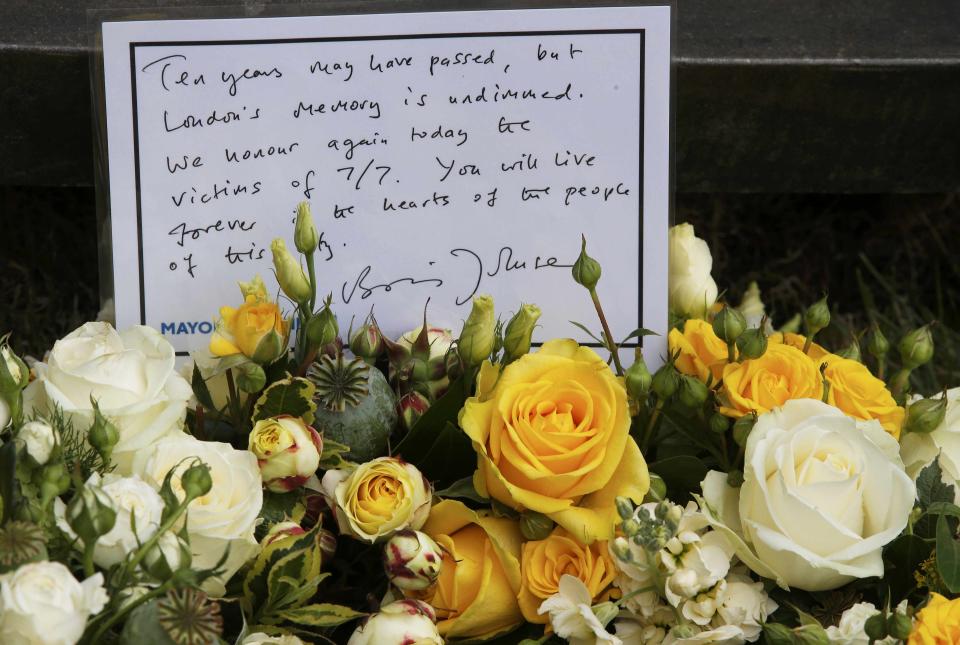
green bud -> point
(272, 346)
(693, 393)
(196, 480)
(250, 377)
(518, 333)
(777, 634)
(621, 548)
(877, 343)
(637, 378)
(478, 336)
(875, 627)
(816, 317)
(666, 381)
(680, 632)
(735, 478)
(926, 415)
(742, 428)
(852, 351)
(54, 481)
(752, 343)
(168, 555)
(586, 271)
(899, 626)
(103, 435)
(624, 507)
(91, 514)
(290, 275)
(916, 348)
(630, 527)
(322, 328)
(305, 235)
(605, 612)
(719, 423)
(14, 373)
(811, 635)
(367, 342)
(535, 526)
(728, 324)
(658, 489)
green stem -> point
(614, 351)
(115, 618)
(166, 526)
(807, 343)
(648, 433)
(731, 353)
(234, 399)
(881, 367)
(312, 272)
(88, 569)
(725, 451)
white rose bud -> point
(287, 450)
(401, 622)
(168, 555)
(692, 288)
(412, 560)
(38, 439)
(259, 638)
(43, 604)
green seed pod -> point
(876, 627)
(693, 393)
(877, 343)
(196, 480)
(916, 348)
(816, 317)
(586, 271)
(322, 328)
(719, 423)
(666, 381)
(728, 324)
(925, 415)
(899, 626)
(752, 343)
(637, 378)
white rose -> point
(4, 413)
(822, 494)
(722, 635)
(130, 374)
(849, 631)
(572, 617)
(918, 450)
(43, 604)
(646, 630)
(129, 496)
(692, 289)
(400, 622)
(745, 605)
(38, 439)
(259, 638)
(224, 517)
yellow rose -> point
(860, 394)
(476, 594)
(287, 451)
(762, 384)
(702, 354)
(816, 352)
(552, 436)
(545, 561)
(938, 623)
(376, 499)
(256, 329)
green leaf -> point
(639, 332)
(256, 582)
(200, 389)
(930, 486)
(8, 466)
(332, 456)
(320, 615)
(943, 508)
(449, 458)
(463, 489)
(292, 396)
(682, 474)
(902, 558)
(948, 556)
(278, 507)
(589, 333)
(418, 442)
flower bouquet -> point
(294, 485)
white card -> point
(443, 154)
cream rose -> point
(822, 494)
(287, 451)
(376, 499)
(692, 288)
(224, 517)
(918, 450)
(130, 374)
(399, 623)
(43, 604)
(129, 497)
(38, 440)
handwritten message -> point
(443, 156)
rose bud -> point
(479, 335)
(367, 342)
(169, 554)
(401, 622)
(305, 235)
(412, 560)
(519, 332)
(287, 451)
(412, 405)
(293, 281)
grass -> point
(884, 258)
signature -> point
(505, 262)
(367, 290)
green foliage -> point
(682, 474)
(462, 489)
(948, 555)
(291, 396)
(320, 615)
(332, 456)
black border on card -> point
(489, 34)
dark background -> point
(817, 150)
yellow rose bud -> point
(938, 622)
(476, 594)
(761, 384)
(287, 451)
(702, 353)
(545, 561)
(305, 234)
(290, 275)
(255, 329)
(478, 335)
(378, 498)
(519, 331)
(552, 436)
(860, 394)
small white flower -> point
(746, 605)
(38, 439)
(849, 631)
(688, 635)
(572, 617)
(259, 638)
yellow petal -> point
(222, 346)
(596, 515)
